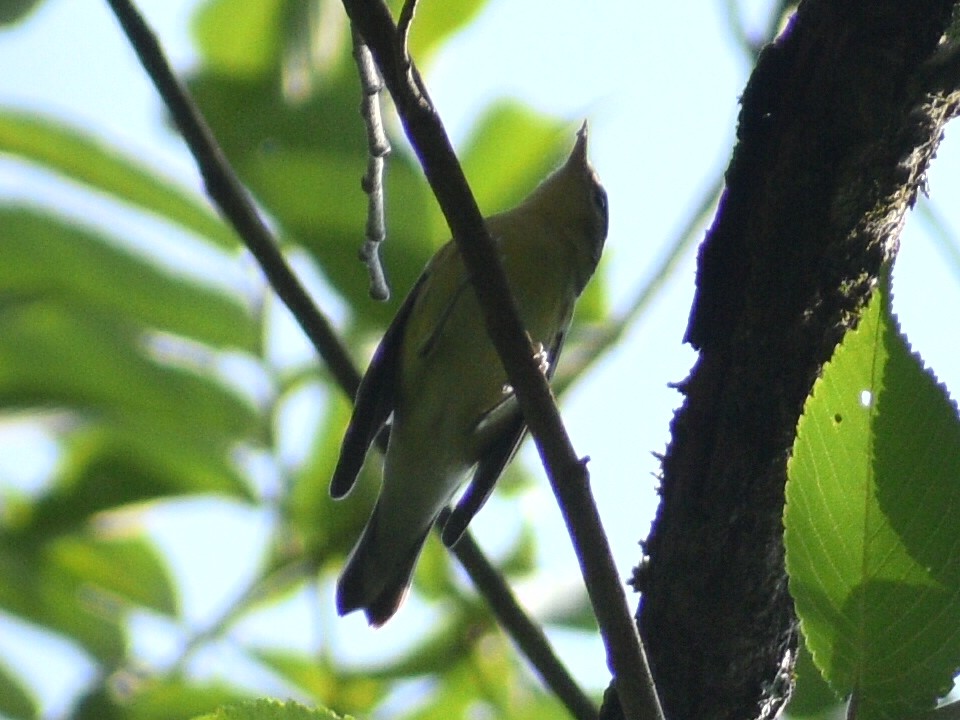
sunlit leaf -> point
(533, 706)
(134, 697)
(16, 702)
(435, 23)
(47, 257)
(811, 697)
(263, 709)
(105, 467)
(252, 46)
(487, 679)
(873, 523)
(328, 685)
(90, 161)
(37, 588)
(129, 568)
(51, 356)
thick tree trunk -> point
(835, 134)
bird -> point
(437, 382)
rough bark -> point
(833, 142)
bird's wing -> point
(495, 458)
(444, 283)
(376, 398)
(489, 469)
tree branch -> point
(378, 147)
(229, 196)
(833, 144)
(568, 475)
(522, 630)
(941, 73)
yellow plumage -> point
(438, 376)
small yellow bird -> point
(438, 376)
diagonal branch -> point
(522, 630)
(230, 197)
(568, 474)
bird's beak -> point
(579, 154)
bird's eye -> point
(602, 215)
(600, 199)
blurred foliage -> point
(268, 710)
(12, 11)
(156, 381)
(121, 358)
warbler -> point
(438, 381)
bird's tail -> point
(377, 575)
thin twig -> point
(404, 23)
(522, 630)
(229, 197)
(378, 147)
(567, 473)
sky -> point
(659, 83)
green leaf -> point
(129, 568)
(45, 256)
(812, 697)
(87, 160)
(39, 589)
(79, 585)
(489, 677)
(329, 529)
(511, 150)
(324, 682)
(536, 705)
(240, 37)
(451, 644)
(107, 466)
(304, 163)
(872, 527)
(12, 11)
(143, 698)
(264, 709)
(51, 356)
(434, 23)
(16, 702)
